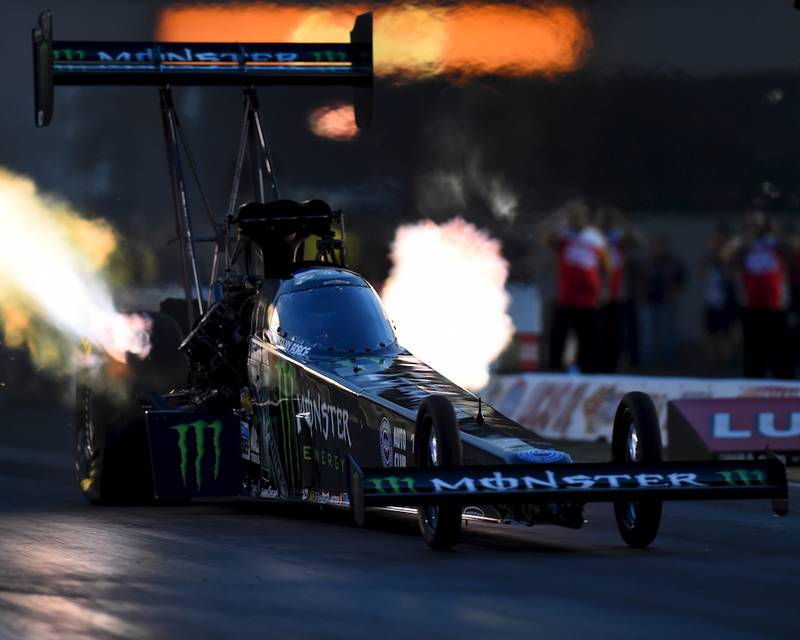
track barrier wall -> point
(582, 407)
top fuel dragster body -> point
(287, 381)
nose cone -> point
(543, 456)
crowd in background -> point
(618, 294)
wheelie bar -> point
(578, 482)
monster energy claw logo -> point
(745, 477)
(393, 484)
(199, 427)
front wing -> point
(560, 483)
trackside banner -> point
(582, 407)
(699, 428)
(596, 482)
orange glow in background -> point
(411, 41)
(335, 122)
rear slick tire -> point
(438, 443)
(637, 439)
(112, 454)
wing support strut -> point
(183, 220)
(253, 145)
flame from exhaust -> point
(446, 294)
(335, 122)
(412, 40)
(52, 292)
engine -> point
(217, 350)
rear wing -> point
(67, 62)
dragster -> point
(282, 378)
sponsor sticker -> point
(498, 482)
(386, 442)
(325, 419)
(294, 349)
(400, 446)
(245, 434)
(508, 444)
(540, 455)
(200, 429)
(255, 446)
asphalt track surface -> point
(242, 569)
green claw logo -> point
(393, 484)
(70, 55)
(199, 427)
(745, 477)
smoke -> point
(446, 294)
(501, 199)
(468, 178)
(53, 293)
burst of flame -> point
(52, 292)
(446, 294)
(335, 122)
(412, 40)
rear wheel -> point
(438, 443)
(637, 439)
(112, 455)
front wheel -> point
(438, 443)
(637, 439)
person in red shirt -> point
(582, 267)
(761, 260)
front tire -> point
(438, 443)
(637, 439)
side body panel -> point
(309, 424)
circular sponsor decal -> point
(385, 440)
(541, 455)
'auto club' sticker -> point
(400, 446)
(393, 444)
(386, 442)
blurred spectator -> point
(582, 267)
(618, 314)
(793, 317)
(761, 259)
(665, 279)
(720, 300)
(636, 285)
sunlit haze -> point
(446, 294)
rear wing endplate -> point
(66, 62)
